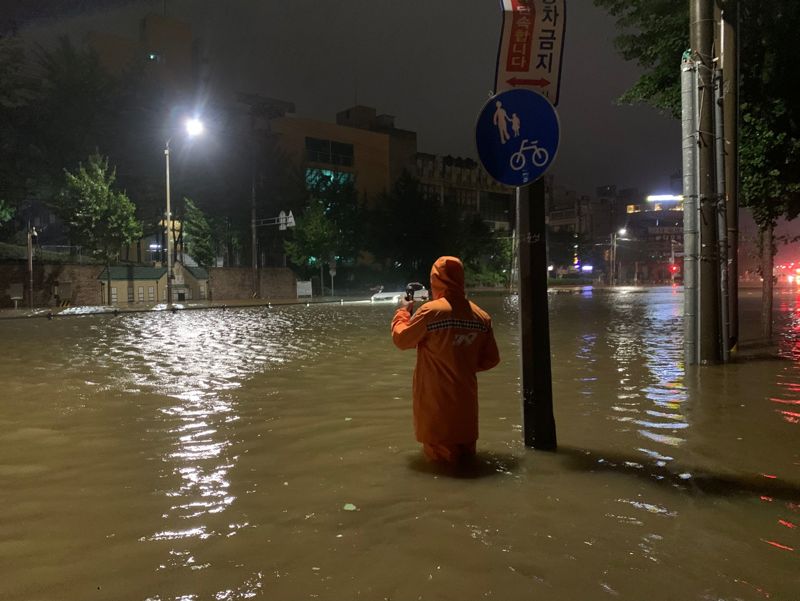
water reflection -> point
(196, 360)
(646, 333)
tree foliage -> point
(99, 217)
(770, 131)
(769, 183)
(342, 209)
(73, 109)
(406, 230)
(653, 34)
(197, 236)
(314, 238)
(18, 92)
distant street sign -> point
(531, 45)
(517, 136)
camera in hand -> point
(411, 288)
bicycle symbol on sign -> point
(539, 156)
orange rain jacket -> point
(454, 340)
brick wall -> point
(77, 284)
(236, 283)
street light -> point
(32, 238)
(613, 270)
(194, 127)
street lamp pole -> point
(612, 268)
(194, 127)
(614, 237)
(167, 224)
(31, 237)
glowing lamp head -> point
(194, 127)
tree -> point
(98, 217)
(17, 94)
(196, 233)
(338, 195)
(768, 187)
(314, 238)
(407, 232)
(73, 111)
(654, 35)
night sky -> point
(431, 64)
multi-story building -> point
(651, 248)
(360, 145)
(461, 182)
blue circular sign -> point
(517, 136)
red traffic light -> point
(673, 268)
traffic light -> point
(673, 268)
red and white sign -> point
(531, 46)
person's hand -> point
(408, 305)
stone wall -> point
(77, 284)
(236, 283)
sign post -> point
(539, 424)
(527, 83)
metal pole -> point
(730, 100)
(168, 223)
(253, 238)
(702, 37)
(537, 387)
(721, 220)
(689, 148)
(30, 266)
(612, 272)
(672, 261)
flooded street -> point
(269, 453)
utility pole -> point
(253, 238)
(730, 106)
(537, 382)
(32, 235)
(702, 39)
(263, 108)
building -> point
(610, 208)
(140, 284)
(361, 145)
(651, 249)
(461, 182)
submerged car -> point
(420, 295)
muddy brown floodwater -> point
(269, 453)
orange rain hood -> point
(447, 278)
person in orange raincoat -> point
(454, 340)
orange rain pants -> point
(454, 341)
